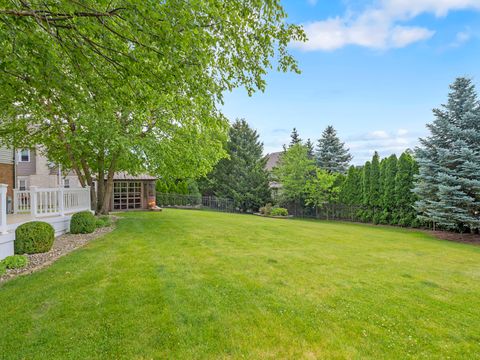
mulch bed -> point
(62, 245)
(473, 239)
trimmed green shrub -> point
(15, 261)
(83, 222)
(278, 211)
(34, 237)
(3, 268)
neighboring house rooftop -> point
(272, 160)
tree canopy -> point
(105, 86)
(293, 172)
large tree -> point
(294, 170)
(331, 154)
(242, 176)
(448, 184)
(321, 189)
(105, 86)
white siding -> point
(6, 156)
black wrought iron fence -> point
(196, 202)
(326, 211)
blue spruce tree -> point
(448, 183)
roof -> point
(122, 175)
(272, 160)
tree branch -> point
(49, 16)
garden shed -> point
(133, 192)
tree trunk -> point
(100, 183)
(107, 196)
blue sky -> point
(373, 69)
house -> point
(273, 160)
(34, 169)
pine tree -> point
(242, 177)
(331, 153)
(309, 146)
(295, 137)
(448, 184)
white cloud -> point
(379, 26)
(312, 2)
(379, 134)
(402, 35)
(461, 38)
(410, 9)
(385, 142)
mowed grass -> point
(203, 285)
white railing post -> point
(61, 201)
(3, 204)
(15, 201)
(33, 201)
(3, 211)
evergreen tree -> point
(331, 154)
(404, 212)
(295, 137)
(375, 195)
(351, 190)
(309, 146)
(242, 177)
(389, 201)
(366, 185)
(448, 184)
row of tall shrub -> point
(382, 190)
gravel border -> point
(62, 245)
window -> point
(22, 184)
(66, 183)
(25, 155)
(127, 195)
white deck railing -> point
(3, 208)
(51, 201)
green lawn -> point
(192, 284)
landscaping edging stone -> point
(62, 245)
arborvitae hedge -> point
(382, 190)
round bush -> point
(83, 223)
(15, 261)
(34, 237)
(278, 211)
(3, 268)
